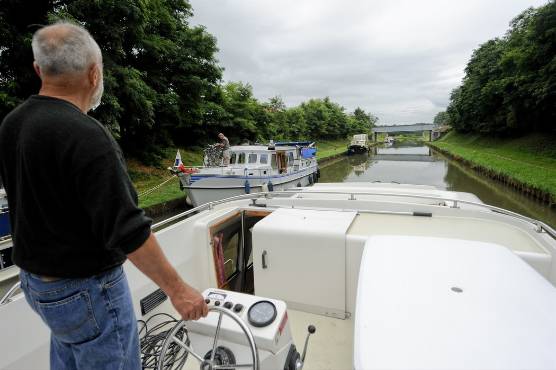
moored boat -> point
(389, 275)
(359, 144)
(252, 168)
(389, 140)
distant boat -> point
(359, 144)
(252, 168)
(389, 140)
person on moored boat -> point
(75, 218)
(225, 145)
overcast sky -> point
(398, 59)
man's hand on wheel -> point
(189, 303)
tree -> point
(361, 122)
(158, 70)
(510, 82)
(441, 118)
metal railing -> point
(540, 226)
(7, 298)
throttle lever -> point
(311, 330)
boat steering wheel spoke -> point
(209, 364)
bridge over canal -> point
(398, 129)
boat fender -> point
(298, 184)
(311, 179)
(270, 186)
(247, 187)
(264, 188)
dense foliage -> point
(162, 81)
(510, 82)
(441, 118)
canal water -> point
(415, 163)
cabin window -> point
(233, 158)
(264, 158)
(252, 158)
(231, 248)
(290, 158)
(273, 161)
(225, 244)
(241, 158)
(232, 245)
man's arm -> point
(150, 259)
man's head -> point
(68, 59)
(221, 136)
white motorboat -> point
(391, 276)
(252, 168)
(389, 140)
(359, 144)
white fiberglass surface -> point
(330, 348)
(446, 227)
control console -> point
(266, 318)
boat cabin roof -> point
(360, 137)
(259, 148)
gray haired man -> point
(74, 212)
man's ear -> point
(94, 75)
(37, 69)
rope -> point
(146, 192)
(152, 339)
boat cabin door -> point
(232, 241)
(281, 161)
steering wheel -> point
(210, 364)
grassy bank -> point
(331, 148)
(528, 162)
(146, 178)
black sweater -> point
(73, 208)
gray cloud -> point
(398, 59)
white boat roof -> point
(258, 148)
(438, 303)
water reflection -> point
(414, 163)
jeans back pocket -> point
(71, 319)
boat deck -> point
(330, 348)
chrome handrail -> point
(535, 222)
(211, 205)
(540, 226)
(7, 297)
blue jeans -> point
(92, 322)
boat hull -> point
(210, 189)
(356, 149)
